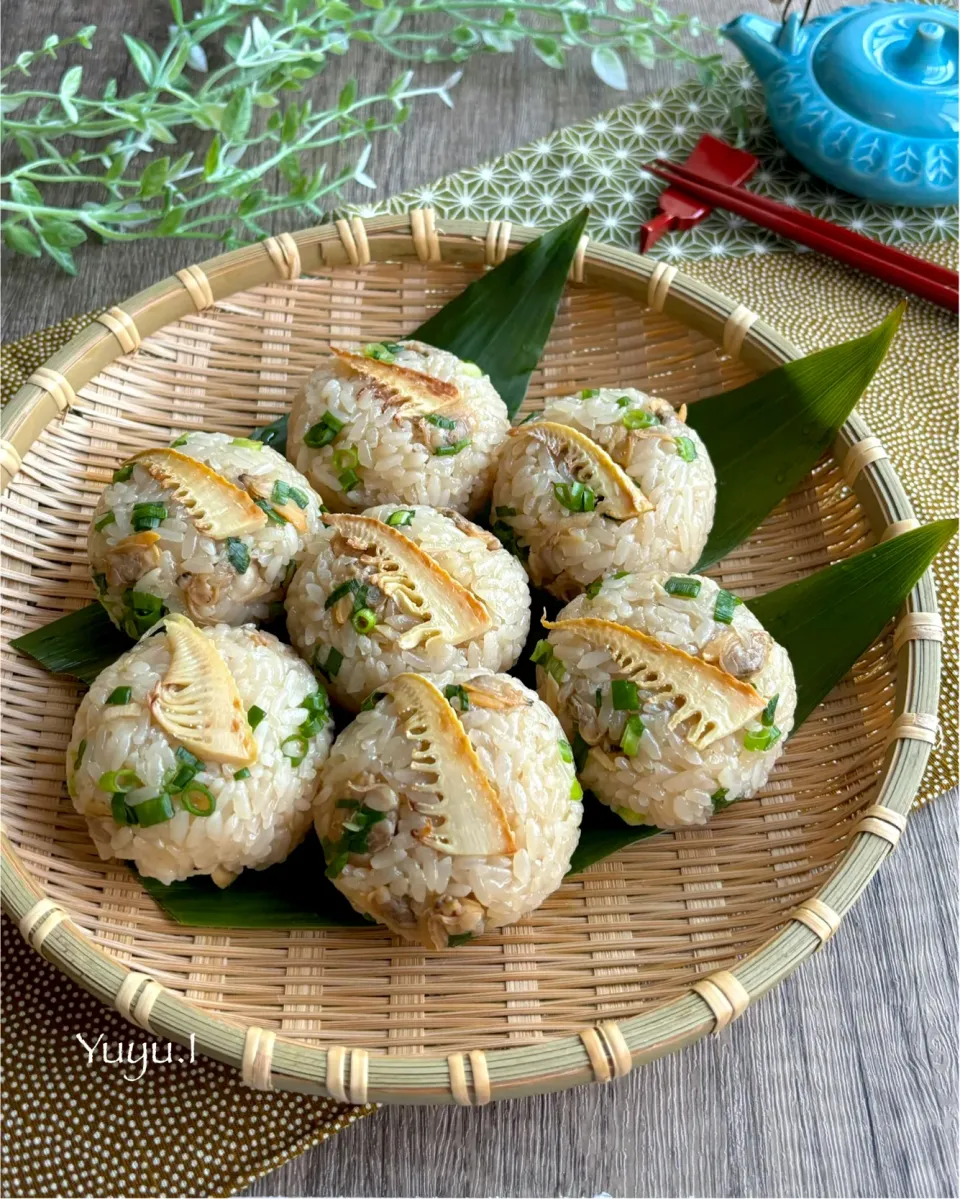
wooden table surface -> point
(843, 1081)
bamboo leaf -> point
(764, 437)
(603, 833)
(292, 894)
(502, 320)
(81, 643)
(827, 620)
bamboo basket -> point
(644, 953)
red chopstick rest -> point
(711, 159)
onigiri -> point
(675, 698)
(608, 479)
(398, 421)
(450, 806)
(197, 752)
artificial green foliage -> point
(239, 73)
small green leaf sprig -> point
(268, 148)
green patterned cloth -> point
(600, 163)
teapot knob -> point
(921, 53)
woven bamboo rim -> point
(669, 941)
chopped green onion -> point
(448, 451)
(335, 867)
(632, 732)
(81, 750)
(181, 440)
(323, 432)
(364, 621)
(566, 752)
(542, 652)
(120, 695)
(580, 751)
(123, 473)
(241, 774)
(509, 540)
(272, 515)
(121, 811)
(719, 799)
(502, 510)
(295, 748)
(382, 351)
(638, 418)
(145, 610)
(682, 586)
(401, 518)
(148, 516)
(281, 492)
(724, 606)
(109, 519)
(371, 701)
(348, 479)
(298, 497)
(576, 497)
(622, 574)
(350, 587)
(119, 780)
(576, 791)
(190, 765)
(624, 695)
(598, 698)
(768, 713)
(247, 443)
(589, 393)
(154, 811)
(624, 401)
(556, 669)
(289, 571)
(238, 555)
(438, 421)
(331, 667)
(758, 740)
(198, 800)
(454, 691)
(471, 369)
(593, 590)
(345, 459)
(100, 581)
(254, 716)
(347, 803)
(685, 448)
(317, 706)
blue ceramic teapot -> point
(864, 97)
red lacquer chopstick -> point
(926, 279)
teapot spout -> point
(756, 39)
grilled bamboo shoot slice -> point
(495, 694)
(617, 494)
(217, 507)
(411, 392)
(197, 701)
(467, 815)
(713, 701)
(418, 585)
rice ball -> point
(450, 807)
(676, 699)
(398, 421)
(399, 589)
(209, 527)
(609, 479)
(197, 752)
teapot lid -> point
(893, 66)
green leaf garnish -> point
(502, 321)
(827, 620)
(82, 643)
(764, 437)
